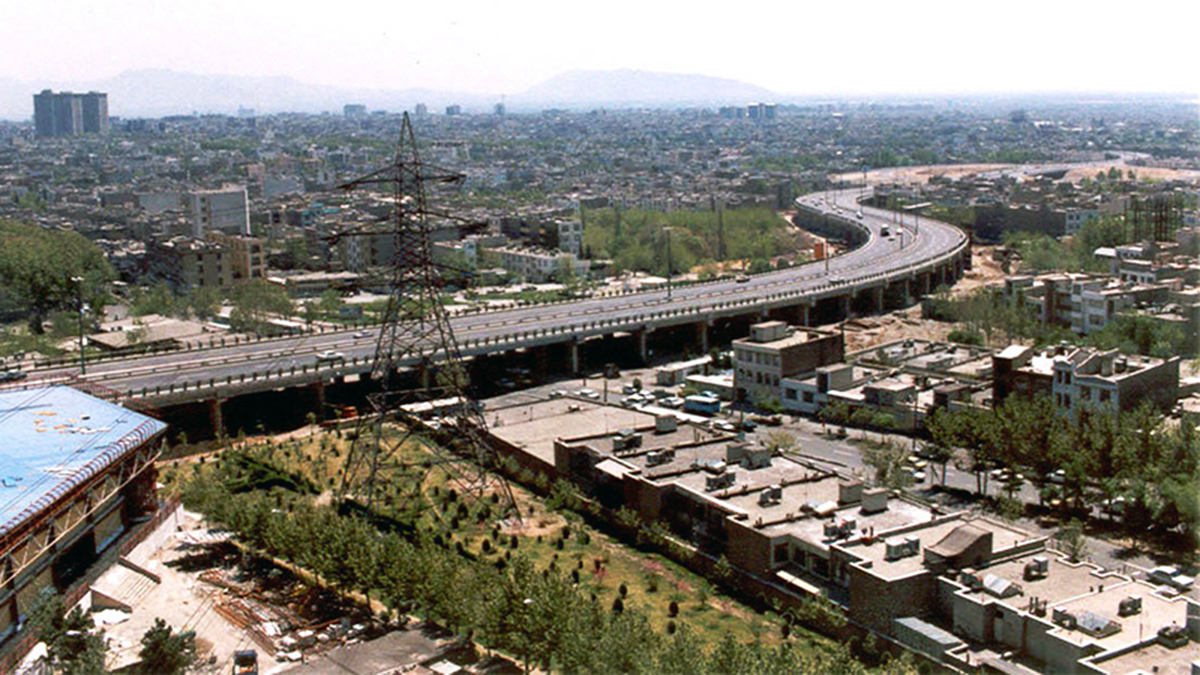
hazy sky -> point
(790, 47)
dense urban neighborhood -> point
(848, 386)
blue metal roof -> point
(55, 438)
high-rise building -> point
(68, 114)
(95, 112)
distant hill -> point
(625, 88)
(157, 93)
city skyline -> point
(872, 48)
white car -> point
(363, 334)
(1169, 575)
(588, 393)
(330, 356)
(722, 425)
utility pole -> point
(80, 306)
(668, 231)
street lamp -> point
(667, 229)
(82, 308)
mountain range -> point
(158, 93)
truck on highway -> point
(702, 404)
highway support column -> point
(318, 389)
(702, 336)
(216, 416)
(573, 346)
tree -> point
(37, 266)
(888, 461)
(330, 304)
(1070, 536)
(72, 648)
(779, 442)
(166, 652)
(257, 301)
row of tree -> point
(539, 616)
(639, 240)
(1000, 320)
(1132, 458)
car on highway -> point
(742, 278)
(363, 334)
(330, 356)
(12, 376)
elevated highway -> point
(884, 271)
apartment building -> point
(774, 351)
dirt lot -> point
(870, 331)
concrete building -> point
(78, 474)
(539, 265)
(225, 210)
(1077, 377)
(246, 255)
(570, 237)
(68, 114)
(187, 263)
(775, 351)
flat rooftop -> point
(1003, 537)
(1145, 659)
(898, 514)
(533, 427)
(1157, 612)
(57, 438)
(1062, 582)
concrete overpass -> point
(882, 272)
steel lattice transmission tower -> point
(417, 359)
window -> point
(1085, 393)
(808, 397)
(1104, 395)
(790, 394)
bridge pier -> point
(541, 362)
(845, 308)
(216, 415)
(318, 389)
(573, 348)
(804, 315)
(877, 296)
(702, 336)
(423, 375)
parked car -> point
(1169, 575)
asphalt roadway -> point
(910, 245)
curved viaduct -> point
(883, 272)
